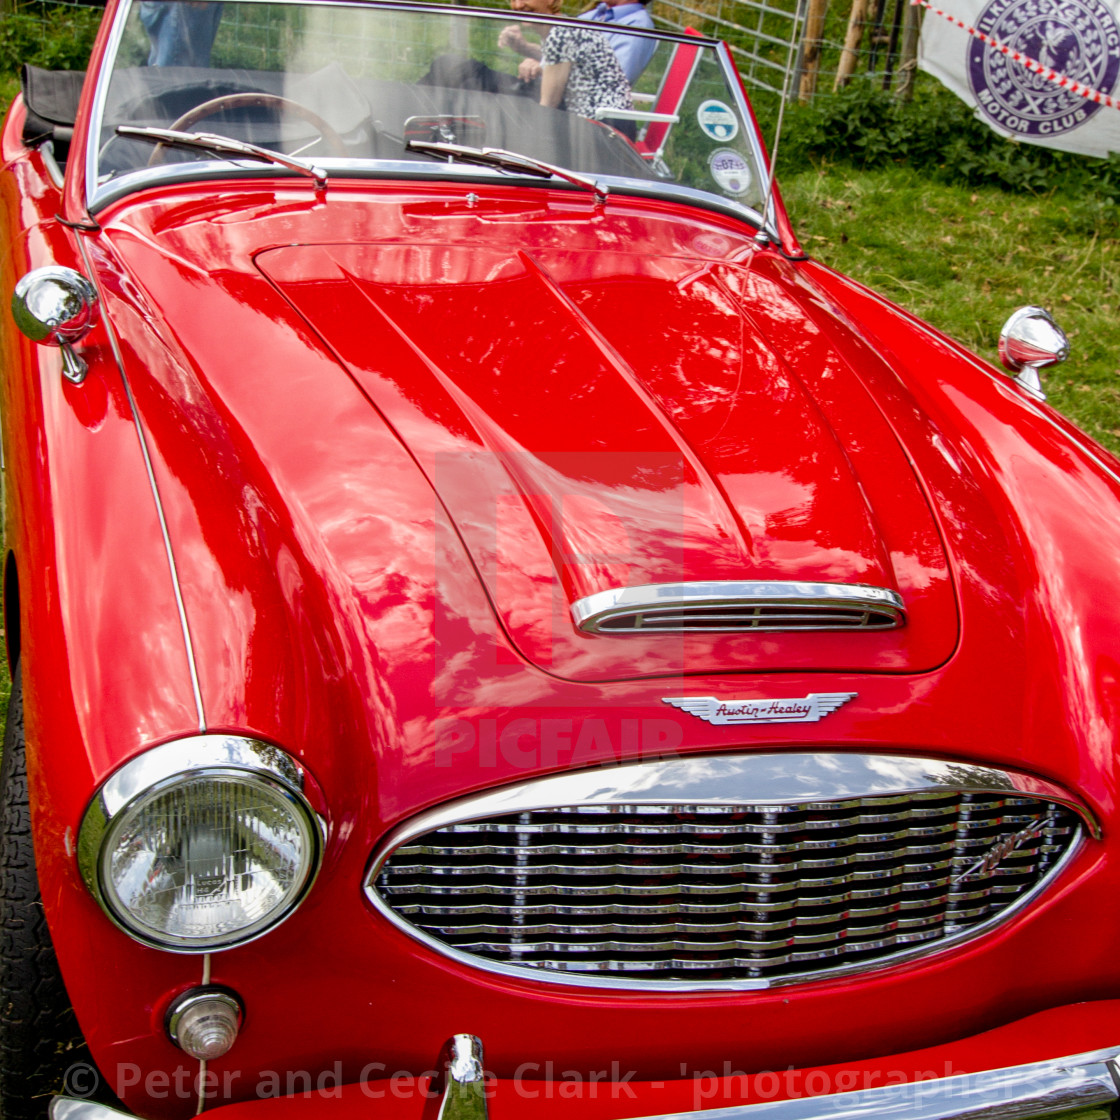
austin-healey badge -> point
(799, 709)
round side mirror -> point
(1030, 341)
(56, 306)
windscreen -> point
(360, 88)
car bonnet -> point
(594, 418)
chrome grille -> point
(672, 892)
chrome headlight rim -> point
(181, 762)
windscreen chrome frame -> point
(98, 196)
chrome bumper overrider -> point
(1039, 1089)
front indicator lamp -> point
(204, 1022)
(201, 844)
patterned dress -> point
(596, 80)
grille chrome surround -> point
(725, 872)
(739, 606)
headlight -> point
(201, 844)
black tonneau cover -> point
(51, 98)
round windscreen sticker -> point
(730, 170)
(717, 121)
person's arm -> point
(512, 39)
(554, 81)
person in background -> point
(577, 67)
(181, 31)
(632, 51)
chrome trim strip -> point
(1013, 1093)
(161, 766)
(745, 779)
(100, 97)
(58, 177)
(592, 611)
(734, 83)
(458, 1088)
(192, 668)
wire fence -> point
(805, 48)
(823, 44)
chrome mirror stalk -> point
(74, 369)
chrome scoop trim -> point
(739, 606)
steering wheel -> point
(255, 100)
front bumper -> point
(898, 1087)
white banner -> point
(1075, 41)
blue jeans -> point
(182, 31)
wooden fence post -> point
(850, 54)
(811, 57)
(908, 58)
(892, 43)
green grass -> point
(964, 258)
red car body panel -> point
(330, 474)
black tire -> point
(39, 1036)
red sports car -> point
(495, 626)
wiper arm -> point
(509, 161)
(223, 146)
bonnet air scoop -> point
(727, 606)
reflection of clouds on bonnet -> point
(761, 779)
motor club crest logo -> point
(1079, 39)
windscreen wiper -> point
(509, 161)
(223, 146)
